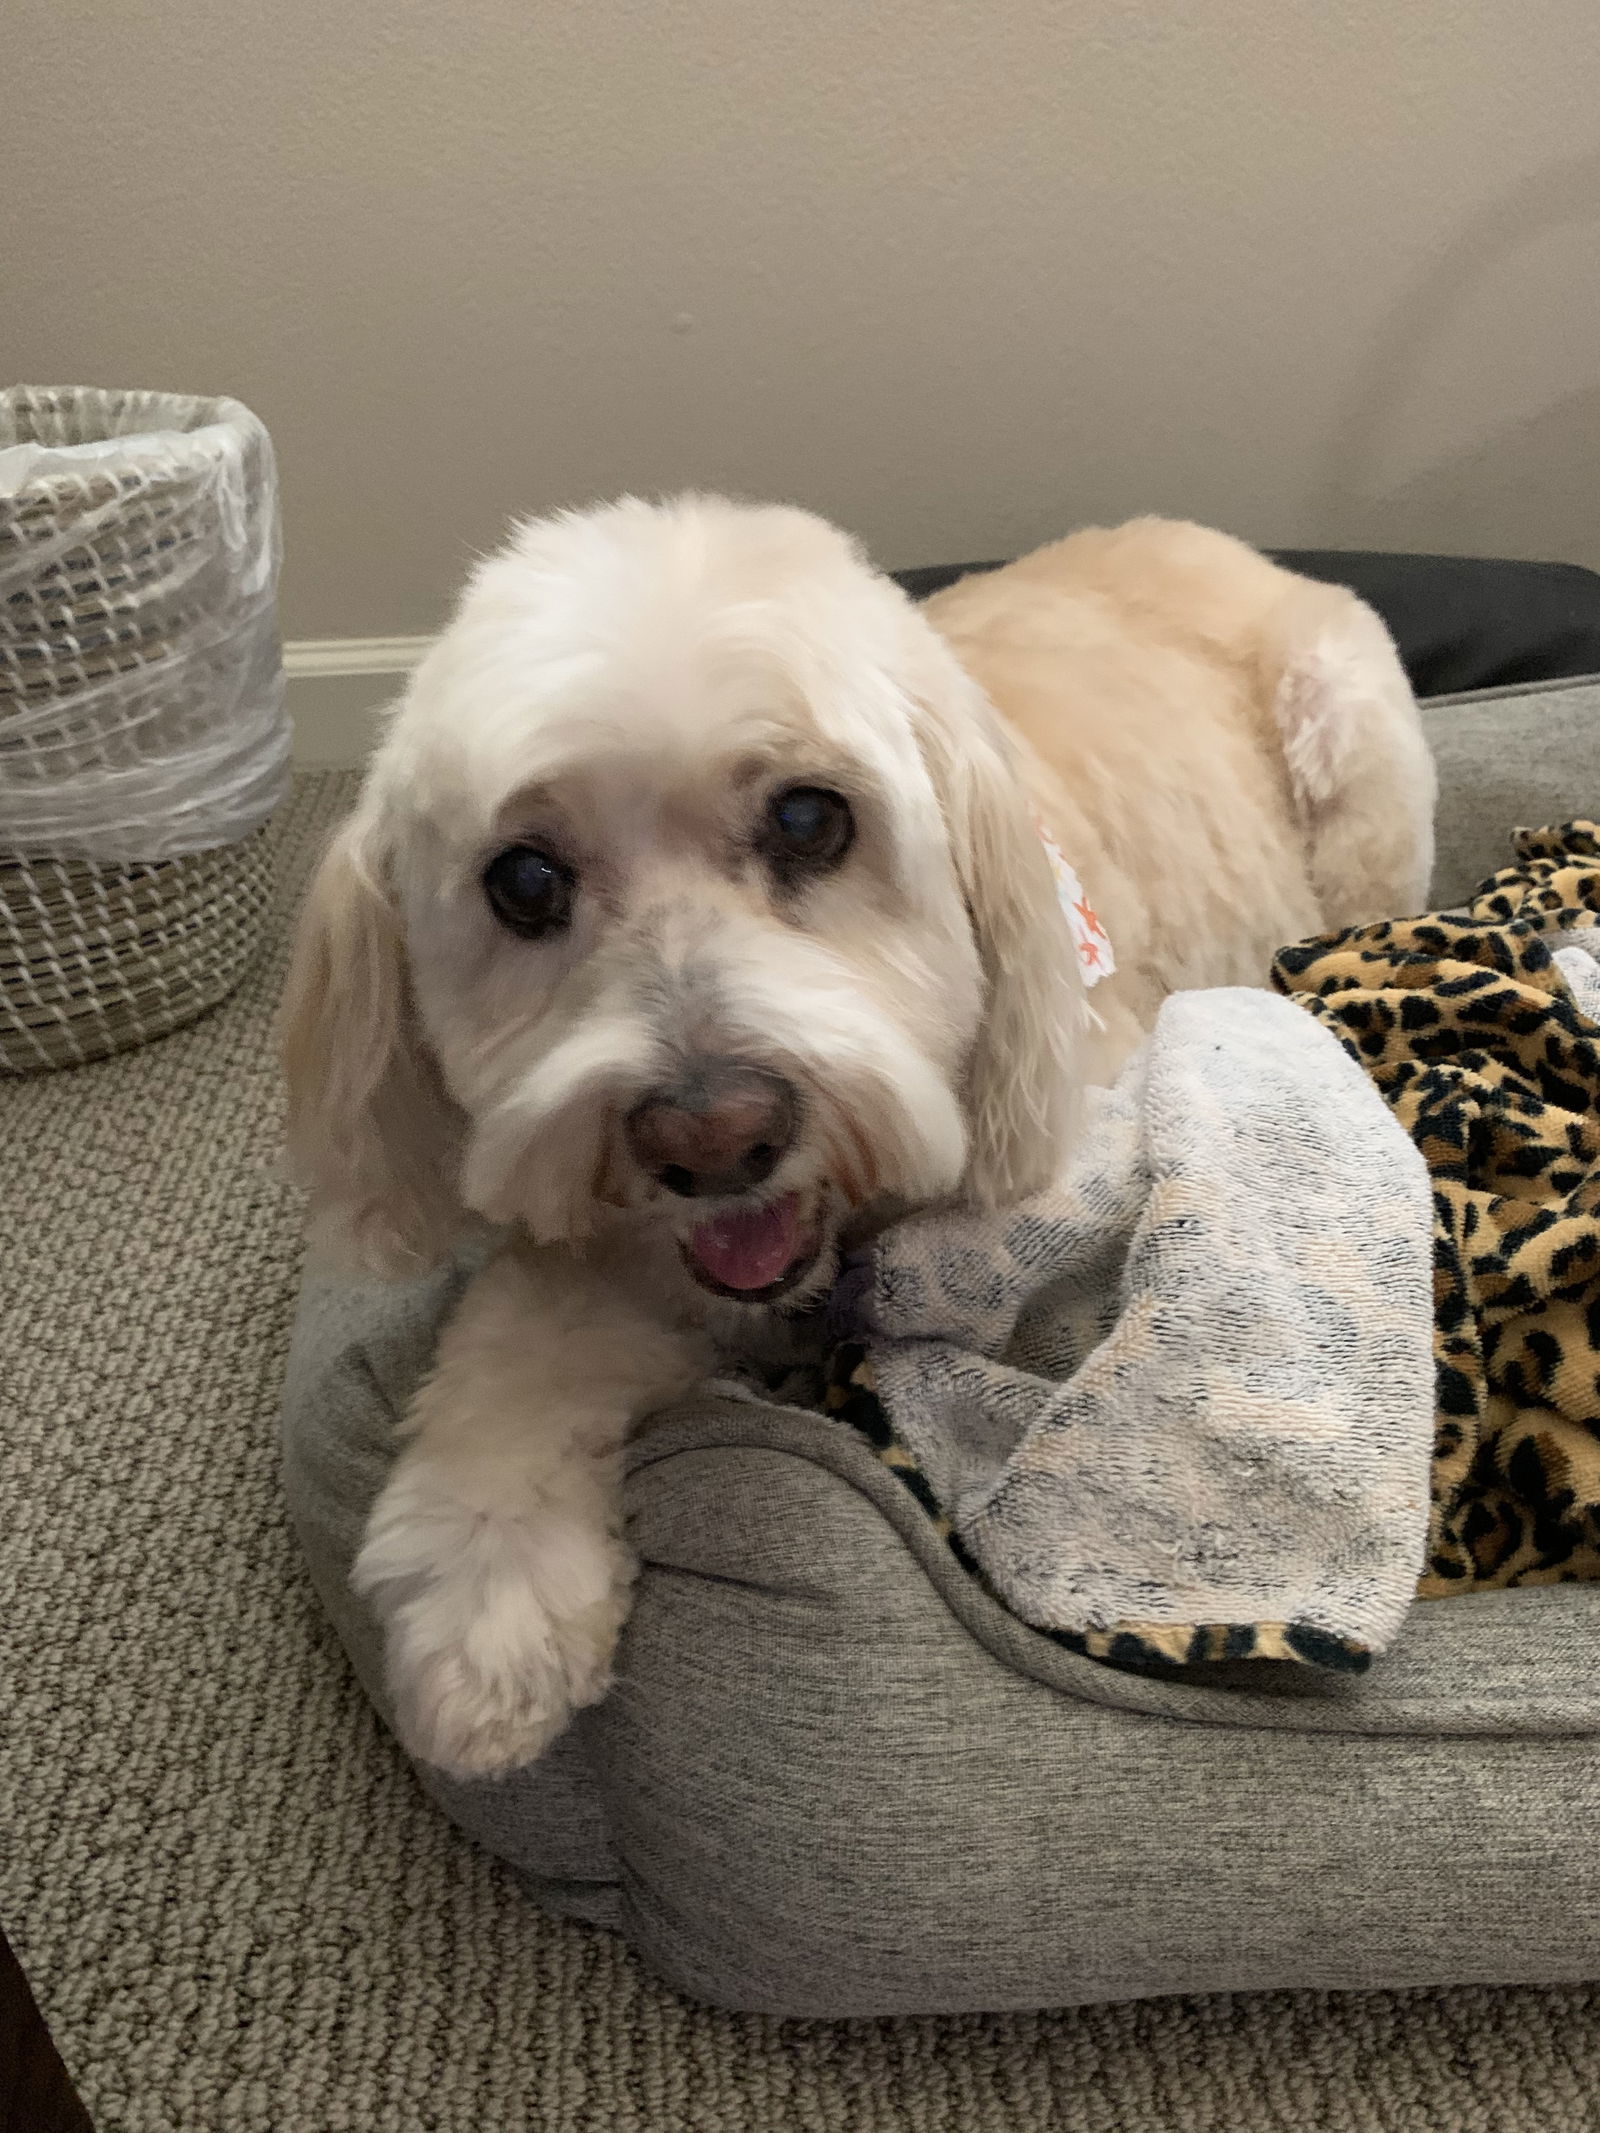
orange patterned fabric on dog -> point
(1090, 938)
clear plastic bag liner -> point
(141, 682)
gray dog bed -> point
(835, 1778)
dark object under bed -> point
(1460, 622)
(36, 2094)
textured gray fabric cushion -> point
(1509, 758)
(836, 1779)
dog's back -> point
(1229, 754)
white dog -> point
(696, 915)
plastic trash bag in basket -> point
(143, 737)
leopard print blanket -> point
(1467, 1026)
(1471, 1034)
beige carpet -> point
(237, 1910)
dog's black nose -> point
(721, 1127)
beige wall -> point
(960, 275)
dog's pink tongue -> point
(748, 1250)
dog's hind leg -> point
(1359, 769)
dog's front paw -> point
(499, 1624)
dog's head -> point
(692, 885)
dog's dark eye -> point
(528, 891)
(809, 828)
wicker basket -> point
(142, 735)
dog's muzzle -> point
(718, 1132)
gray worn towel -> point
(1182, 1406)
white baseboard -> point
(336, 688)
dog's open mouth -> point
(753, 1253)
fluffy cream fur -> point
(1229, 755)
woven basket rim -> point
(183, 413)
(164, 418)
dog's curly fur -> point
(1229, 755)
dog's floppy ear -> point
(371, 1132)
(1023, 1074)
